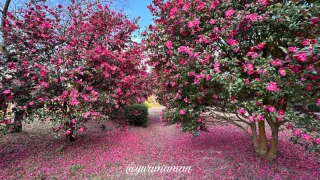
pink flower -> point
(31, 103)
(212, 21)
(318, 101)
(81, 129)
(229, 12)
(253, 55)
(314, 20)
(44, 73)
(306, 42)
(259, 117)
(248, 68)
(194, 23)
(208, 78)
(173, 11)
(44, 84)
(185, 7)
(306, 137)
(289, 126)
(7, 91)
(214, 96)
(183, 112)
(281, 112)
(271, 109)
(60, 6)
(241, 111)
(11, 65)
(261, 45)
(251, 118)
(301, 56)
(89, 88)
(263, 2)
(67, 132)
(62, 78)
(282, 72)
(182, 49)
(232, 42)
(201, 5)
(183, 61)
(9, 14)
(74, 102)
(297, 132)
(264, 107)
(186, 100)
(272, 86)
(292, 49)
(316, 140)
(217, 67)
(252, 17)
(169, 44)
(84, 97)
(276, 62)
(214, 4)
(64, 94)
(190, 24)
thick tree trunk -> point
(272, 154)
(255, 142)
(262, 139)
(18, 117)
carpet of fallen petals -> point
(223, 153)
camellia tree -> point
(245, 62)
(73, 64)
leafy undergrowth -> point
(223, 153)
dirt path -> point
(223, 153)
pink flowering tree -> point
(75, 63)
(244, 62)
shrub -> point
(137, 114)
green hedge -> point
(137, 114)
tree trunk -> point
(255, 137)
(263, 139)
(272, 154)
(4, 33)
(70, 138)
(18, 116)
